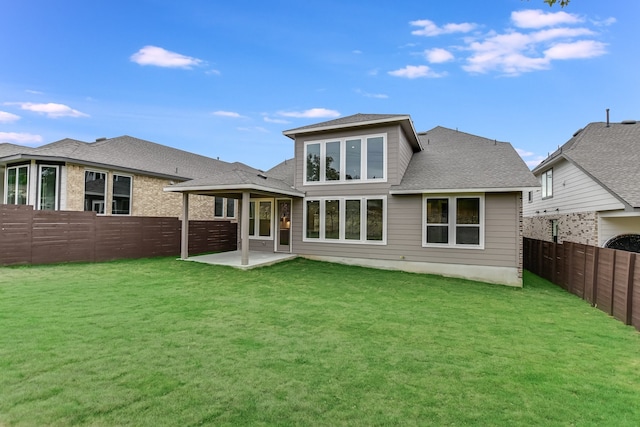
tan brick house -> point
(116, 176)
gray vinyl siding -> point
(405, 152)
(404, 235)
(573, 192)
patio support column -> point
(244, 228)
(184, 240)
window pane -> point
(48, 181)
(468, 235)
(313, 219)
(11, 185)
(121, 195)
(313, 162)
(332, 219)
(265, 219)
(231, 208)
(374, 219)
(332, 161)
(354, 159)
(94, 191)
(468, 211)
(352, 220)
(437, 234)
(218, 207)
(437, 211)
(375, 157)
(252, 218)
(23, 185)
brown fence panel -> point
(635, 296)
(623, 286)
(212, 236)
(62, 236)
(578, 267)
(590, 274)
(160, 236)
(604, 295)
(15, 234)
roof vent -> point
(577, 132)
(101, 139)
(262, 176)
(628, 122)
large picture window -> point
(547, 184)
(454, 221)
(346, 160)
(95, 190)
(17, 185)
(48, 187)
(346, 219)
(121, 204)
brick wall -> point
(581, 227)
(148, 198)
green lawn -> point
(164, 342)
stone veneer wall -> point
(148, 198)
(581, 227)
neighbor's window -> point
(48, 187)
(454, 221)
(349, 159)
(530, 196)
(224, 208)
(17, 185)
(121, 204)
(95, 189)
(547, 184)
(347, 220)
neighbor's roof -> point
(360, 119)
(236, 180)
(608, 154)
(128, 154)
(7, 149)
(460, 162)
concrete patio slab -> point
(234, 259)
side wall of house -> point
(147, 199)
(580, 227)
(617, 225)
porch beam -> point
(184, 240)
(244, 228)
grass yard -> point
(163, 342)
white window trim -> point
(452, 221)
(130, 193)
(547, 190)
(363, 220)
(106, 191)
(39, 195)
(343, 160)
(256, 222)
(6, 182)
(224, 215)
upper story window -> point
(358, 159)
(454, 221)
(121, 204)
(224, 208)
(547, 184)
(95, 190)
(17, 185)
(48, 187)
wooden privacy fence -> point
(607, 278)
(30, 236)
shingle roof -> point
(284, 171)
(347, 121)
(453, 160)
(7, 149)
(609, 154)
(128, 153)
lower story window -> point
(224, 208)
(17, 185)
(95, 190)
(346, 219)
(454, 221)
(48, 187)
(121, 204)
(260, 219)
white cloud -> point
(524, 153)
(253, 129)
(34, 92)
(231, 114)
(605, 22)
(8, 117)
(213, 72)
(430, 29)
(372, 95)
(20, 138)
(534, 162)
(576, 50)
(312, 113)
(415, 71)
(540, 19)
(153, 55)
(438, 55)
(280, 121)
(50, 109)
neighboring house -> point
(117, 176)
(368, 190)
(590, 189)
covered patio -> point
(243, 184)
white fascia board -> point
(347, 125)
(463, 190)
(228, 188)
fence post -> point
(594, 285)
(629, 316)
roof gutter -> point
(462, 190)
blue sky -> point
(224, 79)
